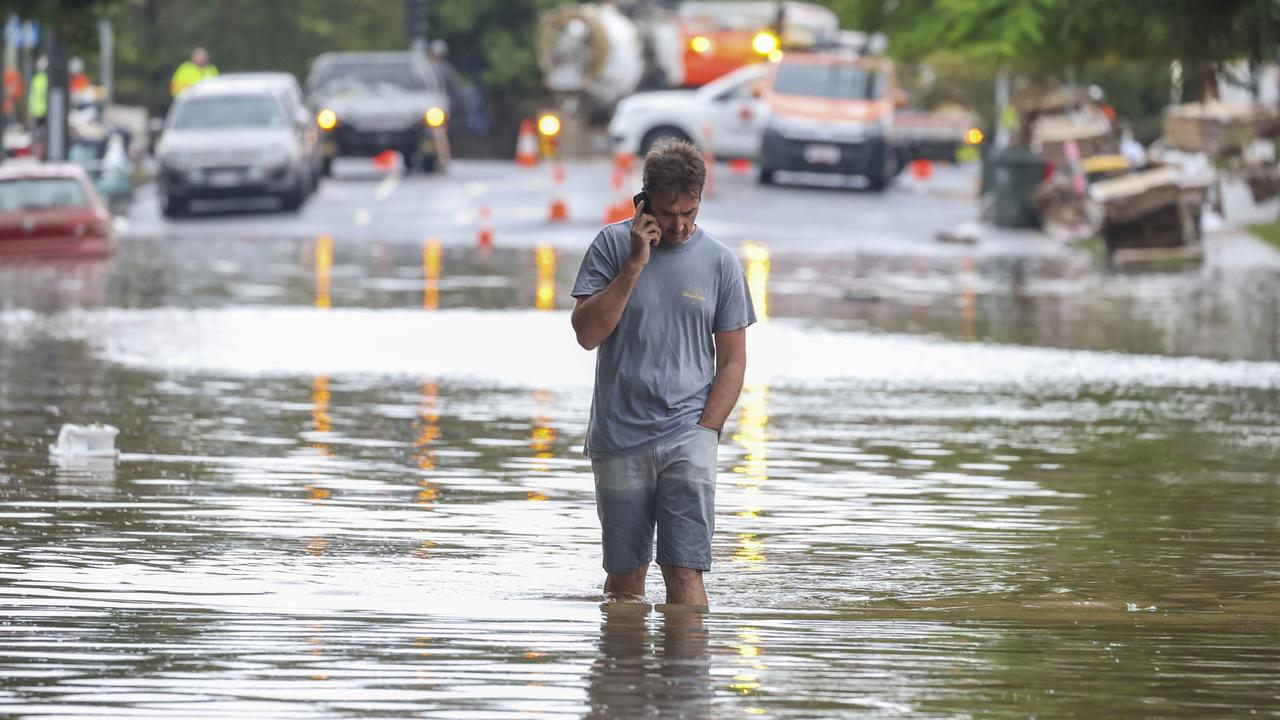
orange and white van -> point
(830, 112)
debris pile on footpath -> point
(1145, 204)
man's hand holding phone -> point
(645, 233)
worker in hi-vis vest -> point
(38, 98)
(192, 71)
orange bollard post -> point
(559, 211)
(621, 208)
(484, 238)
(526, 145)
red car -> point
(51, 209)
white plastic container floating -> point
(95, 441)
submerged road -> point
(961, 481)
(361, 202)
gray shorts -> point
(672, 486)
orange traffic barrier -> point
(621, 208)
(386, 160)
(484, 238)
(526, 145)
(921, 169)
(559, 211)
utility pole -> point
(106, 46)
(4, 36)
(417, 23)
(56, 148)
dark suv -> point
(366, 103)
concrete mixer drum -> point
(590, 51)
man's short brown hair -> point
(675, 166)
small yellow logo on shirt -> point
(693, 296)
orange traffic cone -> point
(559, 211)
(485, 237)
(921, 169)
(740, 166)
(386, 160)
(526, 145)
(621, 208)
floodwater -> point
(351, 485)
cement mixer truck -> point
(594, 55)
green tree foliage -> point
(492, 42)
(1043, 34)
(1124, 46)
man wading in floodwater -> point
(668, 306)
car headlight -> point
(327, 119)
(275, 156)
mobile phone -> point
(642, 198)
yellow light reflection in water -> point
(757, 257)
(542, 438)
(545, 259)
(752, 435)
(324, 270)
(320, 419)
(423, 643)
(315, 647)
(746, 681)
(431, 273)
(753, 474)
(428, 431)
(427, 427)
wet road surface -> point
(958, 483)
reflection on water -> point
(640, 672)
(341, 512)
(431, 273)
(545, 260)
(324, 271)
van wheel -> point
(293, 199)
(766, 175)
(172, 206)
(883, 165)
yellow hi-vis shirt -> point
(38, 100)
(188, 74)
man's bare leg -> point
(627, 585)
(684, 585)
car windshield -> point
(228, 111)
(841, 82)
(41, 194)
(370, 78)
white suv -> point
(730, 106)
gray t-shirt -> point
(654, 372)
